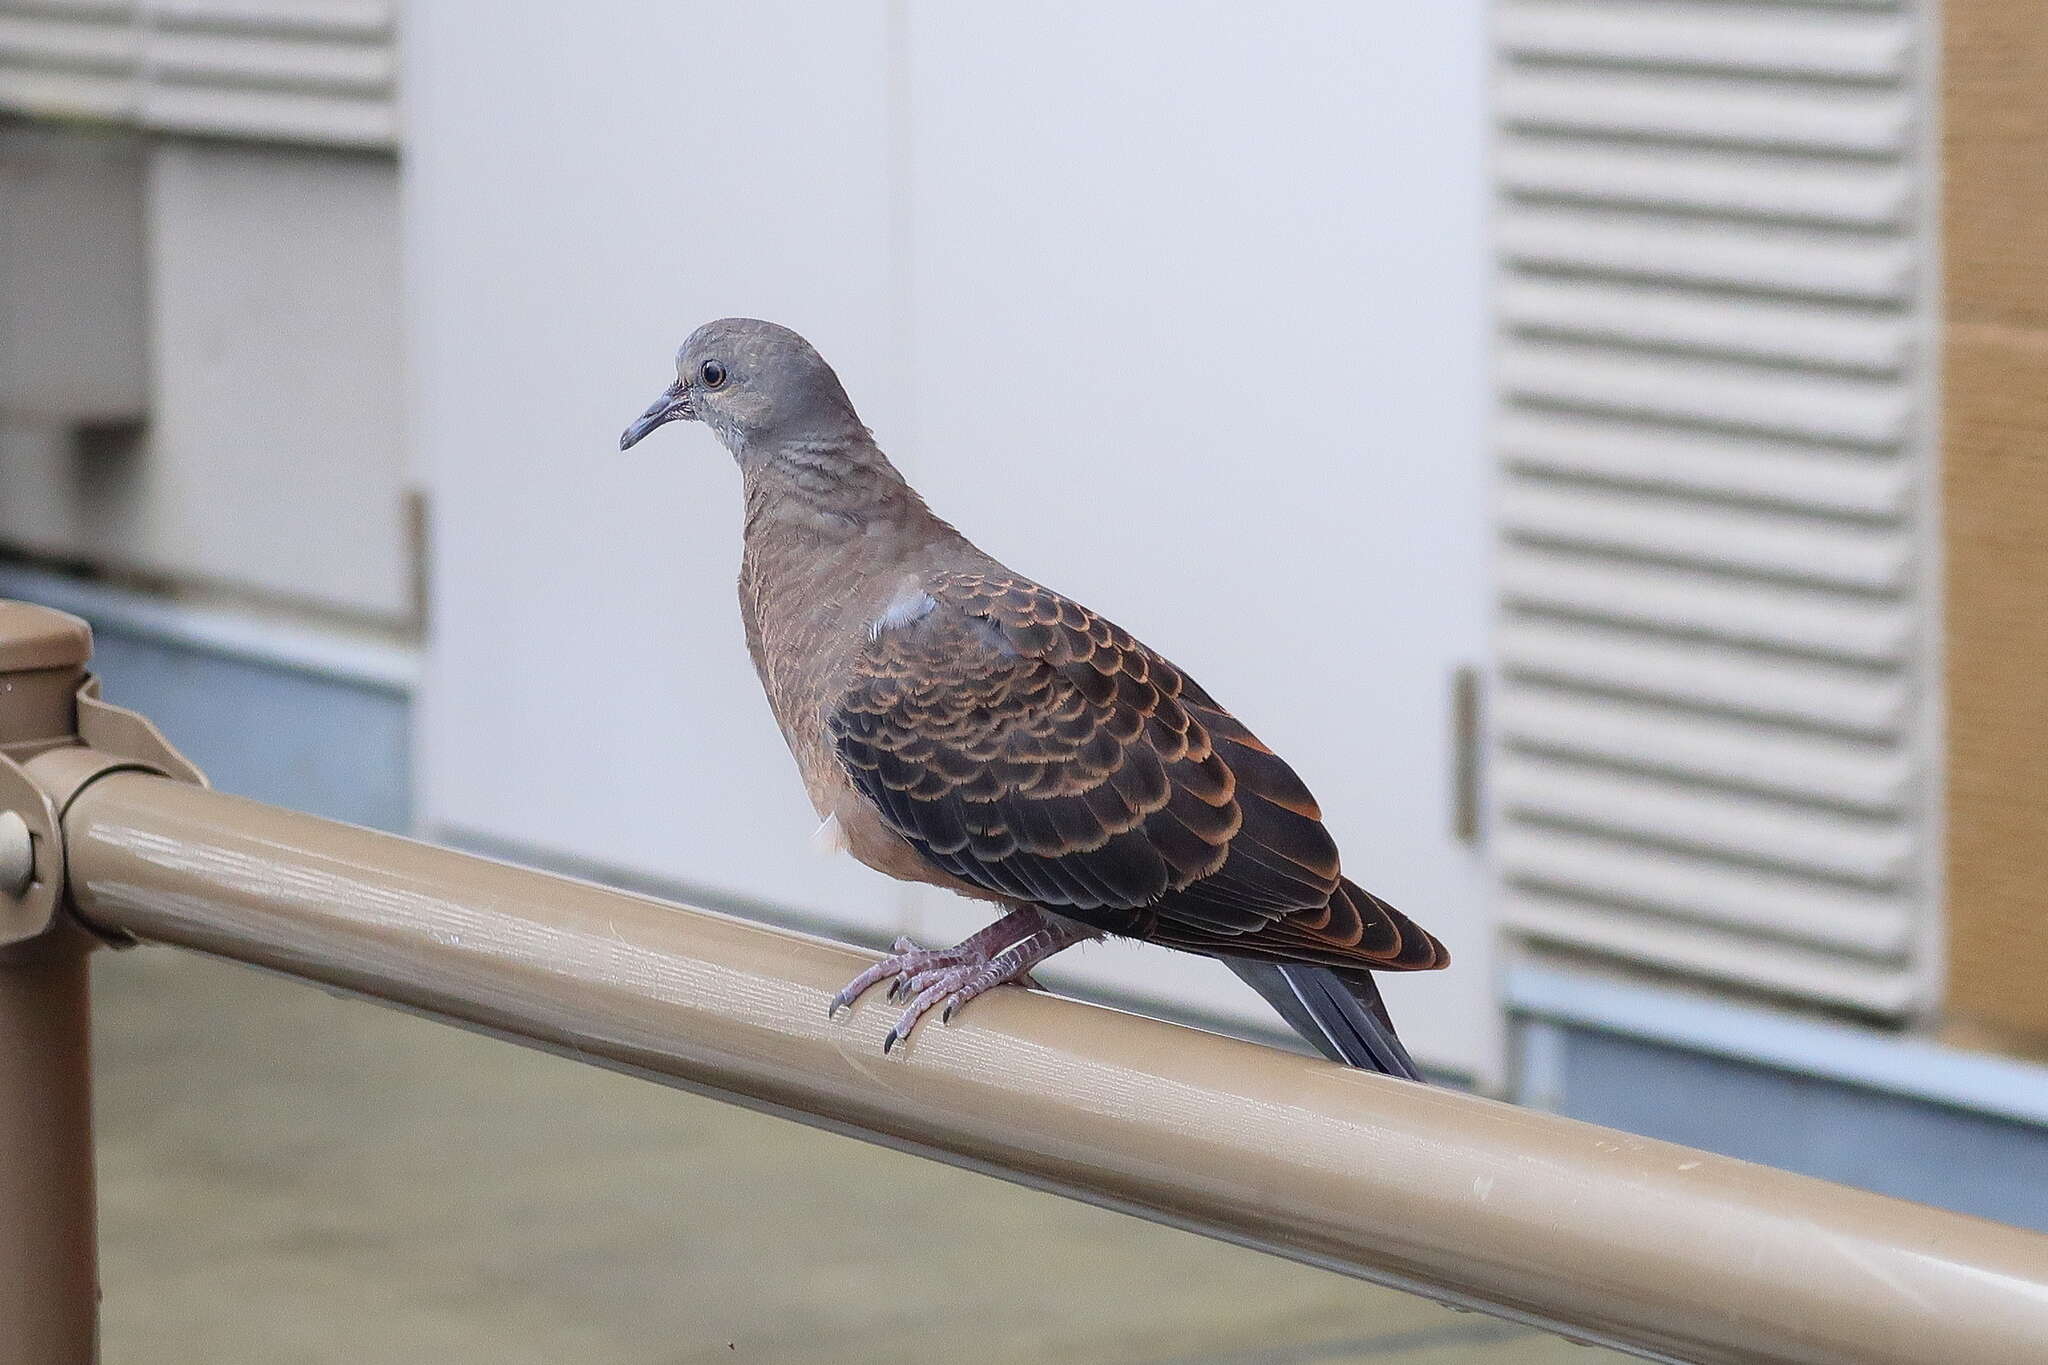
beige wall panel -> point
(1996, 487)
(1995, 491)
(1995, 60)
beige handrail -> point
(1670, 1253)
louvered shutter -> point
(1715, 730)
(318, 71)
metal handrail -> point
(1651, 1248)
(1656, 1249)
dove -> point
(959, 724)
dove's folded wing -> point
(1026, 745)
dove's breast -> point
(809, 609)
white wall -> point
(588, 689)
(1177, 307)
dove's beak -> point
(672, 406)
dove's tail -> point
(1337, 1009)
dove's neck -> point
(829, 491)
(832, 534)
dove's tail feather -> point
(1338, 1010)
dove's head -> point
(756, 385)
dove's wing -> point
(1026, 745)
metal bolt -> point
(17, 855)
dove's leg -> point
(1005, 951)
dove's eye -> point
(713, 374)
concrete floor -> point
(296, 1179)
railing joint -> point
(57, 737)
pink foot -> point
(950, 977)
(905, 958)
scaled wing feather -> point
(1028, 746)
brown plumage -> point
(1032, 749)
(968, 727)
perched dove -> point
(964, 726)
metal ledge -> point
(356, 655)
(1670, 1253)
(1917, 1068)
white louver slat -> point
(1724, 750)
(1714, 734)
(1796, 188)
(1707, 112)
(1775, 401)
(1775, 39)
(1792, 261)
(1689, 602)
(318, 71)
(68, 60)
(1709, 675)
(1819, 479)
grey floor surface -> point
(295, 1179)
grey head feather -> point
(775, 404)
(760, 388)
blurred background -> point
(1603, 442)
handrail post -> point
(49, 1276)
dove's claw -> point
(891, 969)
(947, 978)
(846, 997)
